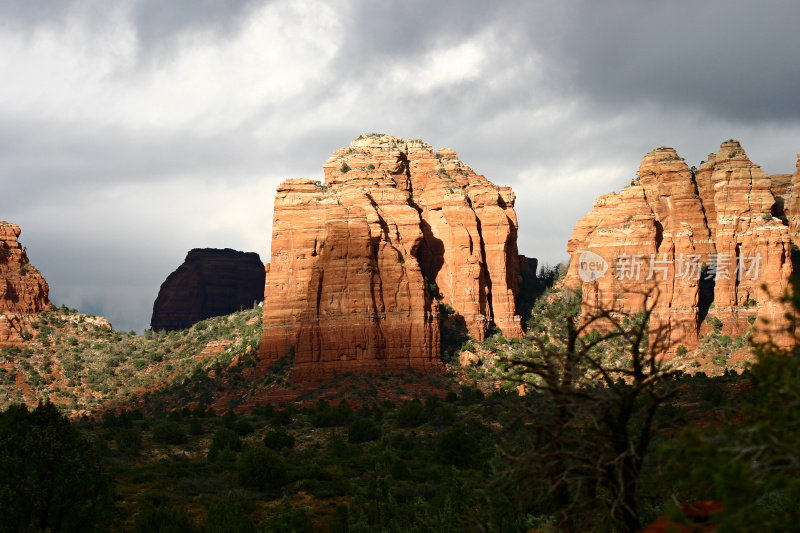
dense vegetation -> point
(427, 464)
(78, 363)
(605, 438)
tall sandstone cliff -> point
(786, 188)
(695, 242)
(209, 282)
(23, 289)
(361, 264)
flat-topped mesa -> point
(360, 265)
(689, 239)
(23, 289)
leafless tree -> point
(596, 382)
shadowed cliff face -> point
(702, 242)
(210, 282)
(23, 289)
(361, 264)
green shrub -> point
(714, 322)
(289, 519)
(230, 515)
(443, 415)
(227, 455)
(195, 427)
(200, 412)
(681, 351)
(261, 468)
(471, 395)
(229, 419)
(226, 439)
(459, 445)
(278, 440)
(345, 168)
(327, 416)
(282, 418)
(129, 441)
(411, 414)
(267, 410)
(363, 430)
(340, 449)
(719, 359)
(162, 517)
(169, 432)
(243, 427)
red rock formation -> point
(360, 265)
(210, 282)
(672, 231)
(746, 229)
(791, 202)
(23, 289)
(681, 234)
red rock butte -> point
(23, 289)
(361, 263)
(703, 242)
(210, 282)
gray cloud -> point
(126, 158)
(726, 59)
(157, 21)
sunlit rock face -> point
(692, 243)
(361, 264)
(23, 289)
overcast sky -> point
(132, 131)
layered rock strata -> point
(361, 264)
(23, 289)
(789, 198)
(690, 243)
(210, 282)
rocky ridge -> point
(23, 289)
(701, 242)
(361, 264)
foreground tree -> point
(596, 384)
(51, 478)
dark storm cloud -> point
(736, 60)
(729, 59)
(24, 13)
(563, 100)
(158, 22)
(381, 30)
(48, 160)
